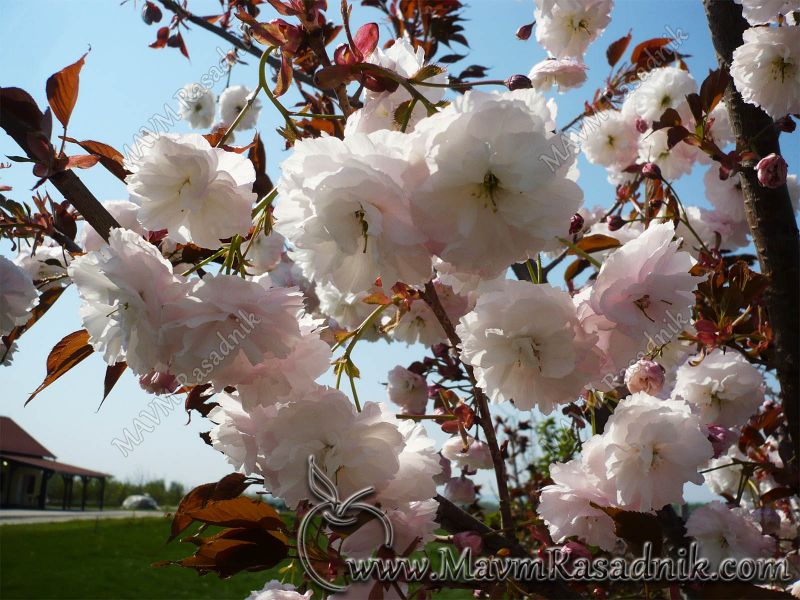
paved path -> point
(20, 516)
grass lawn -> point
(106, 559)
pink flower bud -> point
(772, 171)
(158, 383)
(645, 376)
(721, 438)
(524, 32)
(151, 13)
(468, 539)
(575, 224)
(460, 490)
(641, 125)
(651, 171)
(518, 82)
(575, 550)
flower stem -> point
(580, 252)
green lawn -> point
(106, 559)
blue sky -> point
(123, 85)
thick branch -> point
(84, 201)
(485, 417)
(65, 182)
(769, 214)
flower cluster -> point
(198, 106)
(401, 221)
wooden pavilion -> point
(27, 467)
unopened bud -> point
(524, 32)
(721, 438)
(641, 125)
(575, 224)
(151, 13)
(615, 222)
(651, 171)
(772, 171)
(518, 82)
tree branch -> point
(234, 40)
(769, 214)
(432, 299)
(66, 182)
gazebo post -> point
(84, 480)
(64, 494)
(43, 488)
(102, 491)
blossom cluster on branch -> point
(405, 198)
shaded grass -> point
(106, 559)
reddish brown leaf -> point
(233, 550)
(196, 400)
(648, 50)
(713, 88)
(329, 77)
(595, 243)
(65, 354)
(238, 512)
(113, 373)
(20, 115)
(676, 135)
(162, 35)
(524, 32)
(673, 208)
(215, 136)
(230, 486)
(669, 118)
(110, 157)
(285, 75)
(367, 39)
(62, 90)
(617, 49)
(176, 41)
(258, 156)
(575, 268)
(263, 33)
(377, 298)
(81, 161)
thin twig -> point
(432, 299)
(231, 38)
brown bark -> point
(231, 38)
(484, 415)
(95, 214)
(66, 182)
(769, 214)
